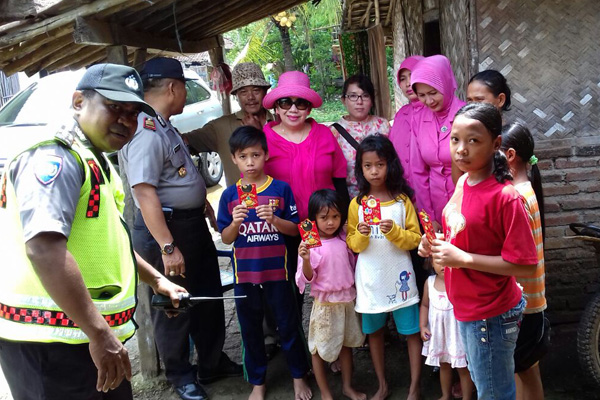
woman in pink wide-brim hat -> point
(302, 152)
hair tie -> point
(533, 160)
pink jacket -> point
(431, 162)
(403, 132)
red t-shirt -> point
(489, 219)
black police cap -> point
(117, 83)
(163, 67)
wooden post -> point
(139, 59)
(117, 55)
(400, 45)
(217, 56)
(149, 360)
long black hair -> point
(497, 84)
(491, 119)
(394, 179)
(516, 136)
(327, 198)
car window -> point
(43, 102)
(195, 93)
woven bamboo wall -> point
(549, 52)
(454, 32)
(413, 15)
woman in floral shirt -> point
(357, 96)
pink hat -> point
(293, 84)
(409, 63)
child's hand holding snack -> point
(386, 225)
(265, 212)
(425, 334)
(364, 228)
(447, 254)
(304, 251)
(424, 247)
(239, 214)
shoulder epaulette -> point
(149, 123)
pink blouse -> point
(333, 272)
(307, 166)
(431, 162)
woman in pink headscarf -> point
(403, 130)
(431, 163)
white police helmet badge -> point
(131, 82)
(48, 168)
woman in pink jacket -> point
(431, 163)
(403, 130)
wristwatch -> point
(168, 248)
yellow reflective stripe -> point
(46, 303)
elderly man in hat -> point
(170, 231)
(249, 86)
(68, 287)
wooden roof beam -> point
(26, 31)
(99, 33)
(16, 10)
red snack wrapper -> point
(309, 233)
(371, 210)
(427, 226)
(247, 195)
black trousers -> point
(205, 323)
(54, 371)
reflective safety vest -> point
(101, 246)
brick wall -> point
(571, 175)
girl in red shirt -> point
(487, 243)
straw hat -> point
(293, 84)
(247, 74)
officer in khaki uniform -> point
(69, 275)
(249, 86)
(170, 231)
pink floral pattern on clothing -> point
(359, 131)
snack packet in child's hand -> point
(309, 233)
(247, 195)
(427, 226)
(371, 210)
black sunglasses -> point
(286, 103)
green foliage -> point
(312, 36)
(330, 111)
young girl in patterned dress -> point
(385, 279)
(442, 344)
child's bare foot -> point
(382, 393)
(301, 390)
(414, 394)
(353, 394)
(258, 392)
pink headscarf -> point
(436, 72)
(409, 63)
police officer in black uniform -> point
(170, 231)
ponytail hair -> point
(491, 119)
(516, 136)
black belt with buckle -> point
(174, 213)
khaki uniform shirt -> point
(214, 136)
